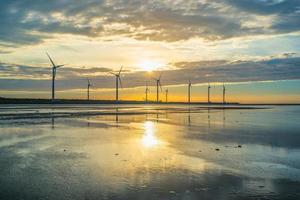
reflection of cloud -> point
(149, 139)
(272, 137)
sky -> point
(252, 46)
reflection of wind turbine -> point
(167, 92)
(118, 79)
(88, 89)
(208, 116)
(158, 85)
(54, 67)
(189, 91)
(189, 117)
(117, 116)
(224, 93)
(224, 118)
(52, 122)
(208, 93)
(146, 91)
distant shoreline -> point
(81, 101)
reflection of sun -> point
(149, 139)
(149, 65)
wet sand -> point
(149, 152)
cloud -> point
(18, 77)
(267, 7)
(30, 22)
(286, 12)
(4, 51)
(42, 73)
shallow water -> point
(149, 152)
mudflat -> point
(149, 152)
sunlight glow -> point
(148, 65)
(149, 139)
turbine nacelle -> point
(89, 83)
(118, 76)
(158, 81)
(118, 80)
(158, 85)
(54, 67)
(147, 88)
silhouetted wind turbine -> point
(208, 93)
(146, 91)
(88, 89)
(224, 93)
(54, 68)
(189, 91)
(167, 92)
(158, 85)
(118, 79)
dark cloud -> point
(31, 21)
(30, 72)
(209, 63)
(16, 77)
(286, 12)
(4, 51)
(267, 7)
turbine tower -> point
(54, 68)
(88, 89)
(146, 91)
(224, 93)
(118, 79)
(208, 93)
(189, 91)
(158, 85)
(167, 92)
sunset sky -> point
(253, 46)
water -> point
(149, 152)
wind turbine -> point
(118, 79)
(167, 92)
(158, 85)
(189, 91)
(88, 89)
(146, 91)
(208, 93)
(54, 68)
(224, 93)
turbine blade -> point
(58, 66)
(51, 60)
(160, 76)
(120, 82)
(120, 70)
(160, 85)
(112, 73)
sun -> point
(149, 65)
